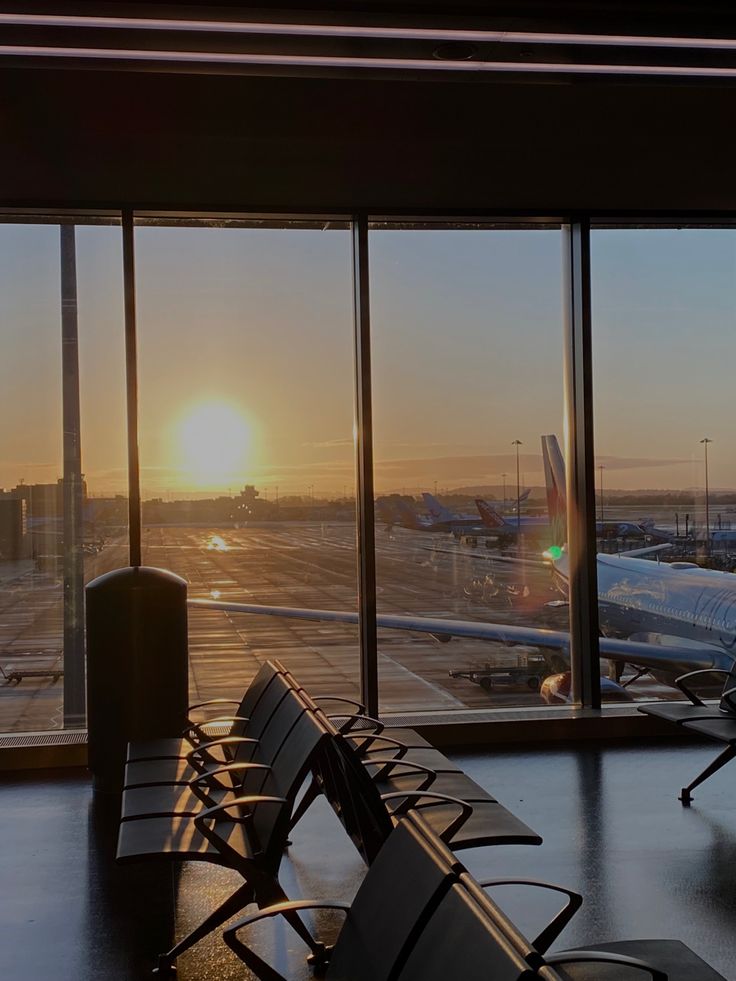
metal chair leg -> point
(234, 904)
(725, 757)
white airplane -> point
(666, 619)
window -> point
(467, 379)
(63, 509)
(246, 443)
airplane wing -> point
(645, 655)
(637, 553)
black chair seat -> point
(163, 771)
(723, 730)
(489, 824)
(671, 956)
(177, 838)
(679, 712)
(408, 737)
(167, 799)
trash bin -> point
(137, 665)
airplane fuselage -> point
(665, 603)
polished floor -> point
(612, 826)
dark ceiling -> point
(547, 145)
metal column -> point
(73, 561)
(364, 470)
(131, 388)
(579, 453)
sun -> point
(214, 444)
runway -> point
(306, 564)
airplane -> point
(554, 472)
(662, 618)
(440, 513)
(401, 513)
(508, 528)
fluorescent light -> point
(215, 58)
(348, 31)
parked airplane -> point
(554, 472)
(441, 513)
(508, 527)
(400, 512)
(667, 619)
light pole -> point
(601, 467)
(504, 476)
(705, 442)
(517, 443)
(435, 488)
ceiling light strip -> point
(375, 33)
(215, 58)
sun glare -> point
(214, 442)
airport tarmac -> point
(304, 564)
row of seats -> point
(232, 800)
(715, 722)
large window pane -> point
(246, 417)
(664, 319)
(467, 333)
(49, 548)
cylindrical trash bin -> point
(137, 665)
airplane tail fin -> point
(436, 510)
(554, 476)
(522, 497)
(490, 517)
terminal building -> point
(373, 359)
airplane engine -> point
(556, 689)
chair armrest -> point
(214, 813)
(680, 682)
(228, 769)
(198, 729)
(726, 695)
(223, 741)
(213, 701)
(599, 956)
(403, 749)
(465, 809)
(558, 923)
(339, 698)
(346, 727)
(262, 970)
(206, 821)
(407, 764)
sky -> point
(246, 368)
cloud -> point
(637, 462)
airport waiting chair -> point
(369, 813)
(186, 786)
(721, 730)
(695, 708)
(406, 880)
(717, 722)
(210, 730)
(247, 833)
(419, 916)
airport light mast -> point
(517, 443)
(601, 467)
(503, 477)
(705, 442)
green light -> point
(555, 552)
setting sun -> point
(214, 443)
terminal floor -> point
(612, 826)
